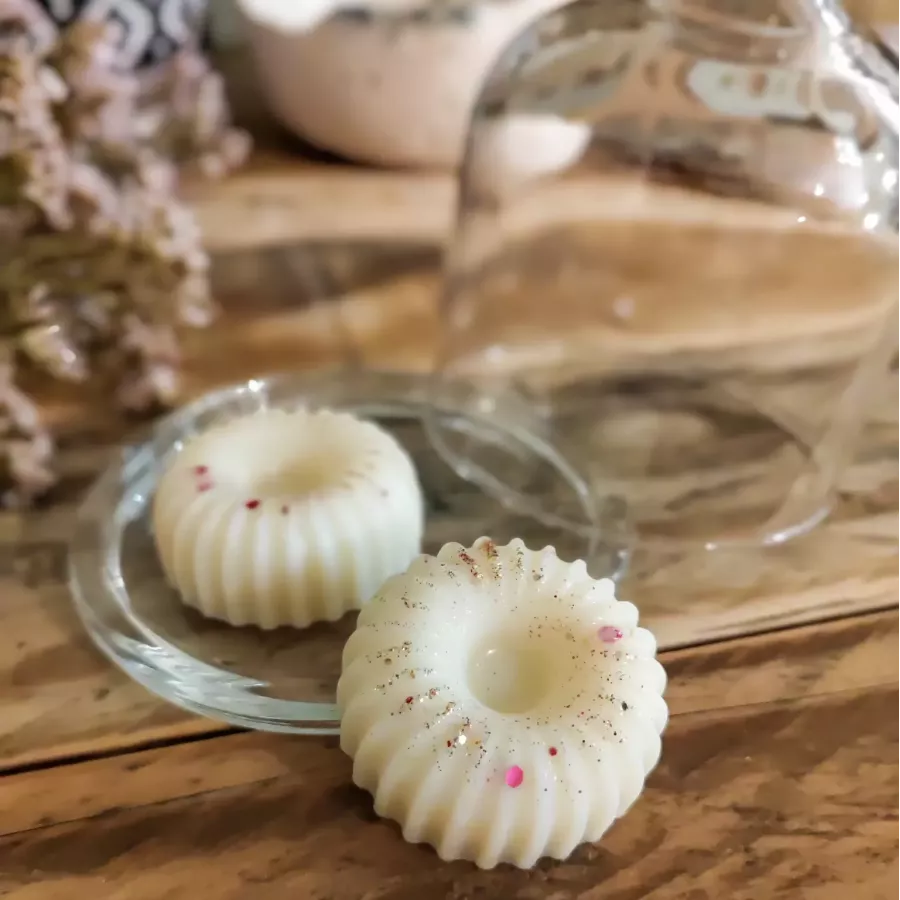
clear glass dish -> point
(282, 680)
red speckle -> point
(514, 776)
(201, 470)
(609, 634)
(252, 504)
(449, 743)
(409, 699)
(473, 567)
(553, 751)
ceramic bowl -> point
(389, 89)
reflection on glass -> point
(691, 281)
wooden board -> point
(377, 304)
(317, 263)
(778, 779)
(779, 776)
(868, 12)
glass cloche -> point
(688, 280)
(667, 310)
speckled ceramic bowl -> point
(393, 89)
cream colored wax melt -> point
(287, 518)
(500, 704)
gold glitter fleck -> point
(520, 560)
(490, 550)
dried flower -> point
(100, 261)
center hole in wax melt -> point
(511, 672)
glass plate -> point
(284, 680)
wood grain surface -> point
(778, 780)
(374, 301)
(779, 775)
(867, 12)
(64, 700)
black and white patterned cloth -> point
(151, 30)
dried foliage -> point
(100, 261)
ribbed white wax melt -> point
(287, 518)
(500, 704)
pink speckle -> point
(514, 776)
(204, 486)
(201, 470)
(252, 504)
(609, 634)
(553, 751)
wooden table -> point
(779, 773)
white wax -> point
(282, 518)
(500, 704)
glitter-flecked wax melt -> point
(500, 704)
(287, 518)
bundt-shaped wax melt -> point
(500, 704)
(287, 518)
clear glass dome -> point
(668, 305)
(686, 273)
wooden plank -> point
(851, 654)
(60, 697)
(296, 201)
(779, 778)
(63, 699)
(872, 12)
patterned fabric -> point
(151, 30)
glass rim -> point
(597, 529)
